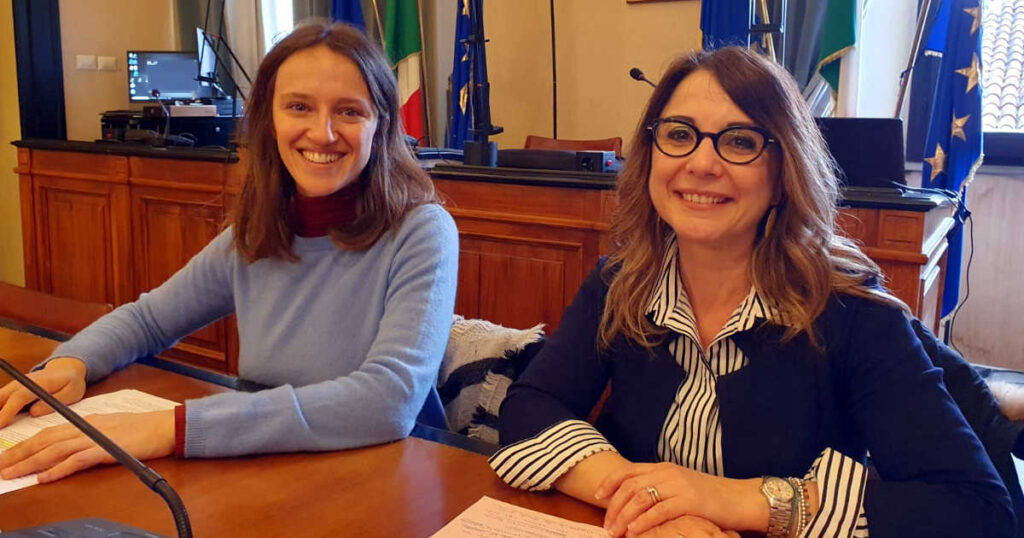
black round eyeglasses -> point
(737, 145)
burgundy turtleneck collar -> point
(315, 216)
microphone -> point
(636, 74)
(148, 476)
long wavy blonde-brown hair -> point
(392, 183)
(798, 265)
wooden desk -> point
(407, 488)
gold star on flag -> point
(958, 127)
(465, 7)
(976, 13)
(971, 73)
(937, 161)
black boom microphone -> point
(637, 74)
(148, 476)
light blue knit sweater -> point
(352, 341)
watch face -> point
(778, 488)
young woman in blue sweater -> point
(753, 361)
(338, 263)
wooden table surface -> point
(407, 488)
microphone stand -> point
(480, 151)
(215, 48)
(148, 476)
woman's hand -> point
(63, 377)
(59, 451)
(688, 527)
(632, 509)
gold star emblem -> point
(464, 98)
(976, 13)
(971, 73)
(958, 127)
(465, 7)
(937, 162)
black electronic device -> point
(172, 73)
(204, 130)
(554, 159)
(114, 124)
(868, 151)
(148, 476)
(597, 161)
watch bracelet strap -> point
(780, 517)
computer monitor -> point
(173, 73)
(207, 57)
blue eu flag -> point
(459, 109)
(724, 23)
(953, 149)
(350, 11)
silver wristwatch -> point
(780, 494)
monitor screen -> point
(172, 73)
(207, 55)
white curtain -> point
(244, 25)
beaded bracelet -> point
(802, 513)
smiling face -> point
(324, 120)
(703, 198)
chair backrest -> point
(47, 311)
(606, 144)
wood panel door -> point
(82, 249)
(169, 227)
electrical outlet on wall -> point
(106, 63)
(85, 61)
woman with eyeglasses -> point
(751, 357)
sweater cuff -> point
(179, 431)
(534, 464)
(841, 481)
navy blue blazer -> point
(873, 390)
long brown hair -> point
(391, 183)
(798, 265)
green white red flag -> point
(405, 48)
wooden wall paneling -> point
(521, 281)
(467, 297)
(28, 219)
(170, 226)
(519, 275)
(901, 230)
(554, 206)
(859, 224)
(92, 166)
(178, 174)
(83, 250)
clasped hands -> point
(687, 503)
(59, 451)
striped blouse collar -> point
(669, 306)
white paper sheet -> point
(122, 401)
(490, 518)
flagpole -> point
(767, 37)
(380, 27)
(922, 18)
(423, 75)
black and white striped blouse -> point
(692, 434)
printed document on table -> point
(25, 426)
(490, 518)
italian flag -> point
(405, 48)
